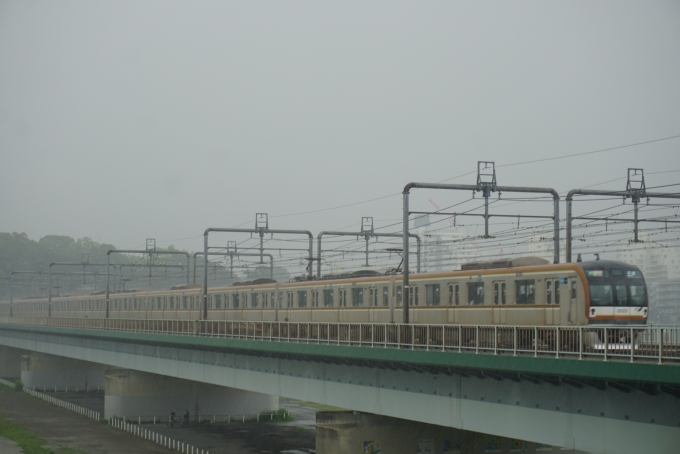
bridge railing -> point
(658, 344)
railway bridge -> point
(612, 397)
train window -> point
(218, 301)
(290, 299)
(450, 294)
(357, 296)
(525, 291)
(621, 293)
(185, 302)
(504, 293)
(159, 302)
(254, 300)
(638, 293)
(272, 298)
(134, 303)
(244, 301)
(548, 292)
(600, 294)
(573, 290)
(328, 298)
(386, 296)
(495, 293)
(432, 295)
(125, 303)
(475, 293)
(172, 302)
(557, 292)
(457, 294)
(234, 300)
(399, 296)
(265, 299)
(302, 298)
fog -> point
(127, 120)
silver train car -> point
(523, 291)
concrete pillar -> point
(132, 393)
(40, 370)
(348, 431)
(10, 362)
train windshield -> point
(615, 284)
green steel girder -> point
(582, 371)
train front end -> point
(618, 293)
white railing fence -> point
(155, 437)
(214, 418)
(656, 344)
(8, 383)
(67, 405)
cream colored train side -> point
(525, 295)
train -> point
(525, 291)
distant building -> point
(442, 251)
(661, 267)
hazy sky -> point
(127, 120)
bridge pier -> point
(352, 431)
(10, 362)
(41, 370)
(133, 393)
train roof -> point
(504, 263)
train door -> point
(498, 301)
(551, 289)
(572, 294)
(621, 305)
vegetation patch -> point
(321, 407)
(277, 416)
(28, 439)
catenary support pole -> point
(238, 254)
(464, 187)
(256, 230)
(597, 192)
(138, 251)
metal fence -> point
(646, 343)
(214, 418)
(67, 405)
(155, 437)
(8, 383)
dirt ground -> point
(64, 428)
